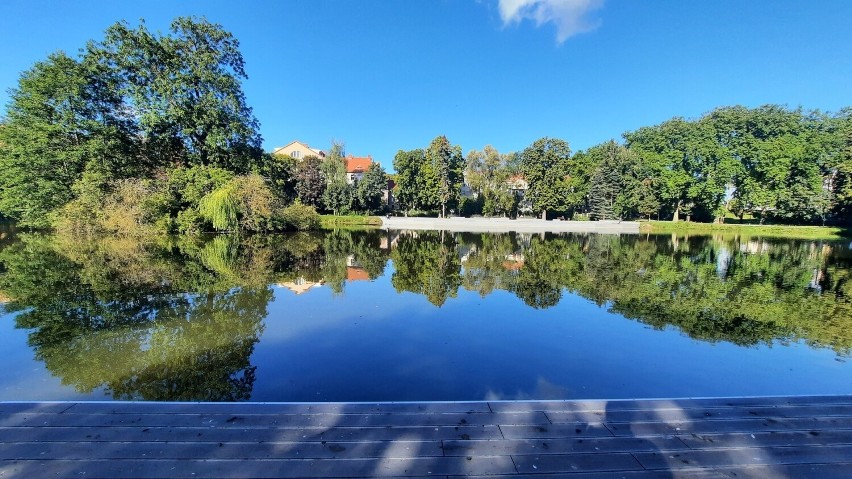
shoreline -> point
(506, 225)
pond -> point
(405, 316)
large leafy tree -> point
(371, 188)
(310, 182)
(487, 174)
(409, 191)
(59, 122)
(840, 178)
(338, 195)
(185, 89)
(691, 169)
(544, 164)
(130, 106)
(443, 174)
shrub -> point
(258, 205)
(470, 206)
(246, 202)
(188, 221)
(300, 217)
(221, 208)
(125, 209)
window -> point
(296, 154)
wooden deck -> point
(784, 437)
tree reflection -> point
(177, 318)
(427, 263)
(165, 318)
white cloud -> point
(569, 16)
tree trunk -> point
(544, 215)
(676, 216)
(443, 210)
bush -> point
(259, 207)
(470, 206)
(125, 210)
(187, 221)
(246, 202)
(300, 217)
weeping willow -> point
(221, 208)
(221, 255)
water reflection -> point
(179, 318)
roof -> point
(355, 164)
(300, 287)
(316, 151)
(354, 273)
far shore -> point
(505, 225)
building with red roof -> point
(356, 167)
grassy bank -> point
(777, 231)
(330, 222)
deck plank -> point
(675, 414)
(212, 434)
(242, 421)
(805, 437)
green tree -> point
(280, 173)
(370, 189)
(840, 176)
(338, 198)
(338, 195)
(544, 164)
(614, 187)
(185, 89)
(58, 124)
(310, 182)
(410, 183)
(689, 167)
(487, 173)
(443, 174)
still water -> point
(391, 316)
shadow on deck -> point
(795, 437)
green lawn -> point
(779, 231)
(330, 222)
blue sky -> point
(388, 75)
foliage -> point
(133, 106)
(369, 191)
(300, 217)
(176, 201)
(339, 197)
(545, 167)
(221, 208)
(246, 203)
(488, 174)
(615, 185)
(55, 128)
(442, 172)
(310, 182)
(185, 89)
(471, 206)
(410, 181)
(280, 173)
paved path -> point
(784, 437)
(504, 225)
